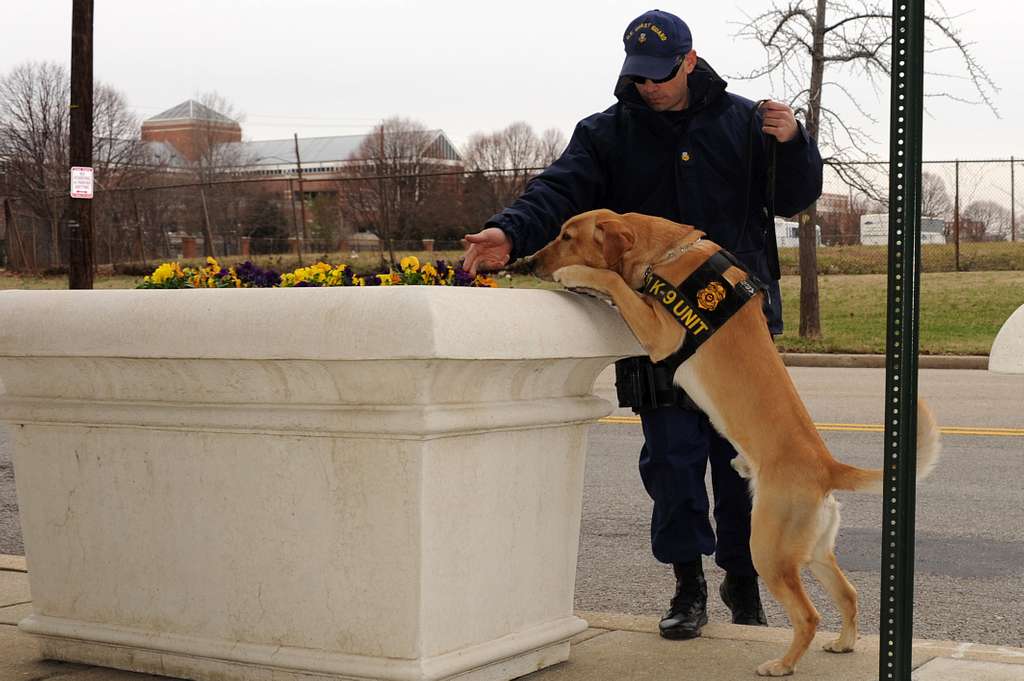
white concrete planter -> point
(1007, 353)
(377, 483)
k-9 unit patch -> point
(710, 296)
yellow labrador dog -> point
(737, 377)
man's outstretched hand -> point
(488, 249)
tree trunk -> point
(810, 316)
(207, 232)
(13, 235)
(54, 241)
(138, 230)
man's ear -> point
(690, 61)
(616, 237)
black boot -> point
(741, 595)
(688, 611)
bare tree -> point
(34, 137)
(935, 200)
(34, 141)
(215, 154)
(814, 46)
(519, 152)
(119, 160)
(395, 155)
(985, 221)
(552, 144)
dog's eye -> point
(566, 237)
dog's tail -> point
(846, 477)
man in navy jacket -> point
(679, 146)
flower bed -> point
(247, 275)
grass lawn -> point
(961, 312)
(11, 281)
(974, 257)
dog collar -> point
(703, 302)
(671, 254)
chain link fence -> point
(969, 208)
(970, 218)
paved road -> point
(970, 548)
(10, 530)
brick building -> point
(191, 128)
(185, 133)
(839, 225)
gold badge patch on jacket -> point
(710, 296)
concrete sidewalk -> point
(615, 648)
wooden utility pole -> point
(80, 258)
(386, 218)
(297, 235)
(302, 198)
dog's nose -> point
(521, 266)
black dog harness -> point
(703, 302)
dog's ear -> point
(616, 237)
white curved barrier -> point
(378, 483)
(1007, 353)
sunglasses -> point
(640, 80)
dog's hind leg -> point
(780, 549)
(826, 570)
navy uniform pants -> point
(679, 444)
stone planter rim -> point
(330, 323)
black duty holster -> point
(643, 385)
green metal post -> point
(897, 593)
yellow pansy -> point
(164, 272)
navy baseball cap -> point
(654, 41)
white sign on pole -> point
(81, 182)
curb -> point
(810, 359)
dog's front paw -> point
(574, 276)
(774, 668)
(582, 279)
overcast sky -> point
(331, 67)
